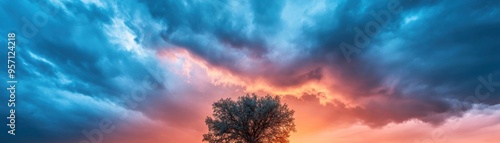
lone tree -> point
(250, 119)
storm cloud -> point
(79, 62)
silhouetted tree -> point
(250, 119)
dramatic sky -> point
(354, 71)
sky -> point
(354, 71)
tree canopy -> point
(250, 119)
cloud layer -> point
(154, 68)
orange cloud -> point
(180, 58)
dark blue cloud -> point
(71, 74)
(435, 51)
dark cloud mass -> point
(425, 63)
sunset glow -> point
(353, 71)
